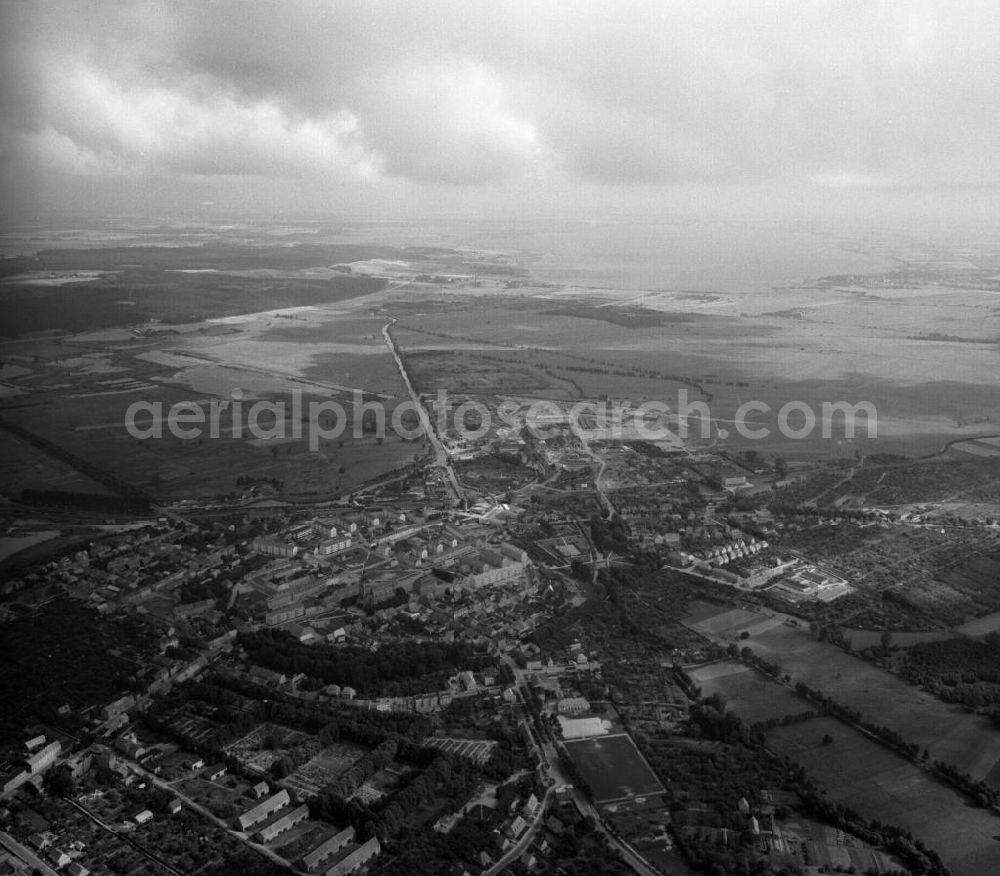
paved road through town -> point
(547, 750)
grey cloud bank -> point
(102, 102)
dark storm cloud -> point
(851, 94)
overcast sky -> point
(161, 105)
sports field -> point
(613, 767)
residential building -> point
(286, 822)
(42, 759)
(272, 546)
(213, 773)
(355, 857)
(263, 810)
(326, 849)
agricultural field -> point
(25, 467)
(76, 391)
(748, 693)
(982, 626)
(712, 620)
(93, 427)
(135, 285)
(877, 783)
(861, 639)
(613, 767)
(555, 370)
(606, 349)
(968, 742)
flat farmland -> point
(861, 639)
(712, 620)
(948, 732)
(747, 692)
(879, 784)
(24, 467)
(486, 372)
(94, 429)
(981, 626)
(613, 767)
(78, 393)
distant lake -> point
(702, 257)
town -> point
(410, 680)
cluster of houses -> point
(327, 536)
(336, 856)
(741, 548)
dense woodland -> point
(963, 671)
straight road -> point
(442, 459)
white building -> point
(581, 728)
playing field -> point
(613, 767)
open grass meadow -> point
(877, 783)
(748, 693)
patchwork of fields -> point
(855, 769)
(864, 775)
(968, 742)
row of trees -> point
(378, 758)
(372, 672)
(985, 795)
